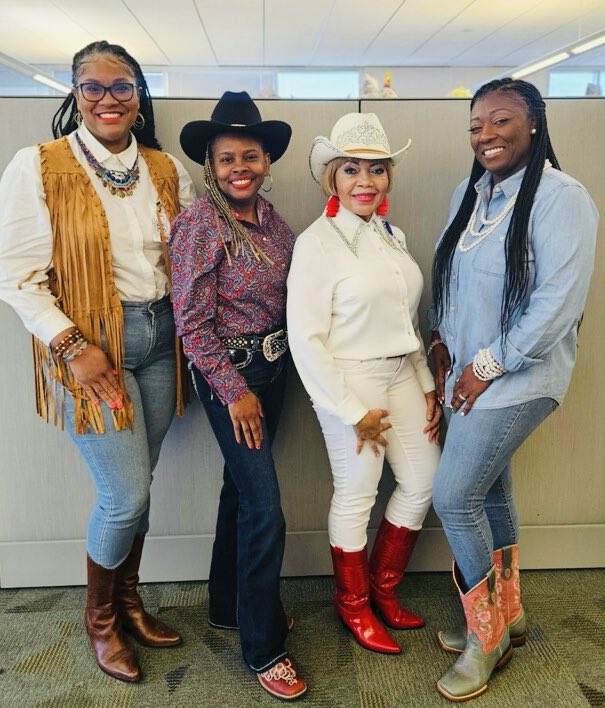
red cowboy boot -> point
(352, 601)
(389, 558)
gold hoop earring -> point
(139, 123)
(78, 118)
(270, 176)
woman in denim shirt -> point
(510, 278)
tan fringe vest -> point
(82, 281)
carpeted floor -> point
(45, 659)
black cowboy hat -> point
(235, 113)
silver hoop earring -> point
(139, 123)
(270, 176)
(78, 118)
(533, 131)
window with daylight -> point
(584, 82)
(318, 84)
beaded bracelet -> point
(433, 344)
(485, 366)
(76, 351)
(74, 336)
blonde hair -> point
(328, 178)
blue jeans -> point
(250, 536)
(121, 462)
(472, 493)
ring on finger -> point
(461, 397)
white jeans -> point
(390, 384)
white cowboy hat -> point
(359, 135)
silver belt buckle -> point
(273, 346)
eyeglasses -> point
(94, 92)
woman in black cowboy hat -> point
(231, 254)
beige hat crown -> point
(359, 135)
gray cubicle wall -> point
(45, 493)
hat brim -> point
(323, 152)
(274, 134)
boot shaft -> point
(484, 617)
(508, 582)
(390, 555)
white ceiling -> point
(303, 33)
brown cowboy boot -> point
(389, 558)
(145, 628)
(114, 654)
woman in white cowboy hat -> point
(231, 254)
(353, 294)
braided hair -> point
(516, 277)
(64, 120)
(241, 238)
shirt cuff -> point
(426, 380)
(47, 327)
(351, 410)
(513, 359)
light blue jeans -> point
(473, 489)
(121, 463)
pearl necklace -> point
(465, 244)
(117, 182)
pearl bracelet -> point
(485, 366)
(433, 344)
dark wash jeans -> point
(250, 529)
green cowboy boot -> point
(488, 644)
(508, 587)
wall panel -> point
(45, 493)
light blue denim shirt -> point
(540, 349)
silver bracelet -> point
(77, 350)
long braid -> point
(64, 120)
(241, 239)
(517, 235)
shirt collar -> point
(126, 158)
(347, 220)
(508, 186)
(264, 209)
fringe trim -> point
(82, 281)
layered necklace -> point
(473, 236)
(119, 182)
(382, 229)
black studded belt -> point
(271, 345)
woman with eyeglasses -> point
(83, 261)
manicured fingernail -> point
(462, 413)
(96, 402)
(119, 405)
(114, 372)
(112, 405)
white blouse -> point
(26, 237)
(346, 306)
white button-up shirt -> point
(347, 306)
(26, 238)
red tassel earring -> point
(383, 207)
(332, 206)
